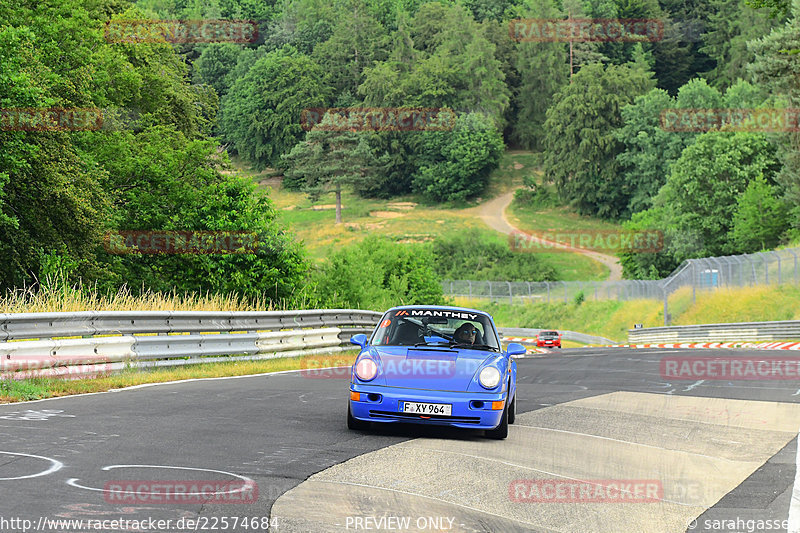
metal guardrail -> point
(741, 331)
(48, 325)
(565, 335)
(112, 340)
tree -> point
(730, 26)
(455, 165)
(760, 218)
(261, 114)
(649, 149)
(302, 24)
(777, 8)
(162, 182)
(580, 140)
(777, 70)
(452, 65)
(678, 56)
(215, 62)
(358, 40)
(543, 71)
(330, 158)
(706, 181)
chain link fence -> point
(763, 268)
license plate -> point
(442, 409)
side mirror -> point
(516, 349)
(360, 340)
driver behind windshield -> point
(466, 333)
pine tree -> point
(330, 158)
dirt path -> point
(493, 214)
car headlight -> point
(366, 369)
(489, 377)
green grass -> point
(514, 165)
(574, 267)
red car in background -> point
(547, 338)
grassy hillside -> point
(612, 319)
(407, 219)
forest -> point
(176, 112)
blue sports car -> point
(434, 365)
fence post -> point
(776, 254)
(694, 287)
(510, 294)
(548, 291)
(490, 290)
(565, 291)
(795, 264)
(470, 289)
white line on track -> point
(54, 466)
(693, 385)
(248, 483)
(794, 506)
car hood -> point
(441, 369)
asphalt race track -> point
(721, 455)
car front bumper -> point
(382, 404)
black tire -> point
(501, 431)
(512, 410)
(354, 423)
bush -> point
(475, 256)
(534, 194)
(376, 274)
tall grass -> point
(56, 294)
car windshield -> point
(412, 327)
(549, 334)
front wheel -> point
(354, 423)
(501, 431)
